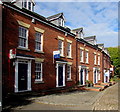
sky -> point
(96, 18)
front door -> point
(81, 76)
(22, 76)
(60, 74)
(95, 76)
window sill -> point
(69, 57)
(69, 79)
(39, 82)
(87, 63)
(39, 51)
(62, 56)
(81, 62)
(24, 49)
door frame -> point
(80, 67)
(28, 74)
(63, 63)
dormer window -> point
(57, 19)
(61, 22)
(28, 5)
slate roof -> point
(100, 44)
(90, 37)
(54, 16)
(77, 29)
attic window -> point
(25, 4)
(28, 5)
(61, 22)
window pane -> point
(22, 36)
(29, 5)
(25, 4)
(38, 41)
(69, 72)
(60, 46)
(38, 73)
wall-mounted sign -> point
(12, 53)
(56, 54)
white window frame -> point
(86, 57)
(39, 71)
(95, 58)
(98, 59)
(69, 51)
(81, 55)
(69, 72)
(61, 48)
(21, 37)
(27, 5)
(60, 22)
(57, 64)
(39, 42)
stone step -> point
(93, 88)
(101, 86)
(107, 84)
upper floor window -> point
(69, 49)
(23, 37)
(60, 47)
(94, 58)
(28, 5)
(38, 41)
(98, 60)
(81, 55)
(38, 71)
(86, 56)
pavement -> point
(108, 99)
(78, 100)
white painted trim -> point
(83, 76)
(61, 62)
(16, 76)
(87, 76)
(57, 74)
(79, 72)
(93, 75)
(21, 57)
(28, 75)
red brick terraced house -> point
(29, 41)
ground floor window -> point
(38, 71)
(68, 72)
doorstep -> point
(93, 88)
(101, 86)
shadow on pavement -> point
(14, 101)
